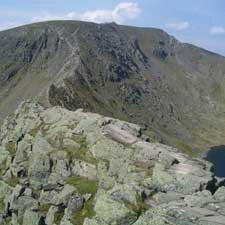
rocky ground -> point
(63, 167)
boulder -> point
(63, 196)
(75, 204)
(39, 169)
(109, 211)
(84, 169)
(31, 218)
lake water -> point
(216, 155)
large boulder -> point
(109, 211)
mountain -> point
(174, 91)
(60, 167)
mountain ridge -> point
(141, 75)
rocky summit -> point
(61, 167)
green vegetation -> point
(34, 131)
(83, 185)
(185, 148)
(86, 212)
(11, 147)
(44, 208)
(82, 154)
(2, 205)
(86, 156)
(13, 181)
(58, 217)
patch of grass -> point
(83, 153)
(11, 147)
(13, 181)
(83, 185)
(185, 148)
(70, 152)
(34, 131)
(58, 217)
(86, 212)
(86, 156)
(44, 208)
(80, 139)
(2, 205)
(3, 167)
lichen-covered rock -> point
(63, 196)
(109, 211)
(39, 169)
(220, 194)
(84, 169)
(31, 218)
(72, 168)
(50, 216)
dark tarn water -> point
(216, 155)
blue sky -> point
(201, 22)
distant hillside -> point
(175, 91)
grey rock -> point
(39, 169)
(109, 211)
(31, 218)
(63, 196)
(199, 199)
(84, 169)
(220, 194)
(75, 204)
(50, 216)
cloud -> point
(120, 14)
(178, 26)
(217, 30)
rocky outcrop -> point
(63, 167)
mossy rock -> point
(11, 147)
(13, 181)
(44, 208)
(58, 217)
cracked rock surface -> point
(63, 167)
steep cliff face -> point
(72, 168)
(174, 90)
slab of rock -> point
(214, 220)
(119, 135)
(31, 218)
(50, 216)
